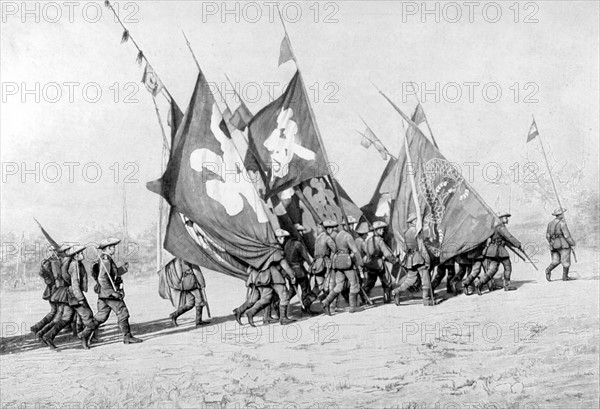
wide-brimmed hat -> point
(299, 227)
(281, 233)
(352, 220)
(71, 251)
(362, 229)
(64, 247)
(379, 225)
(559, 211)
(503, 214)
(111, 241)
(330, 223)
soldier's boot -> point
(44, 330)
(175, 314)
(353, 301)
(86, 335)
(48, 338)
(387, 295)
(321, 296)
(467, 287)
(508, 287)
(283, 315)
(239, 311)
(267, 317)
(126, 330)
(35, 328)
(326, 303)
(548, 273)
(479, 286)
(565, 276)
(251, 312)
(199, 321)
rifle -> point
(526, 258)
(112, 283)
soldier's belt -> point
(343, 251)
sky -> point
(541, 56)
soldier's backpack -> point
(372, 258)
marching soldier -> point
(447, 269)
(296, 255)
(345, 262)
(325, 248)
(109, 289)
(469, 267)
(272, 280)
(49, 272)
(416, 262)
(191, 294)
(496, 254)
(560, 241)
(377, 252)
(252, 294)
(363, 235)
(74, 276)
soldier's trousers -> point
(412, 277)
(260, 298)
(106, 305)
(560, 256)
(472, 272)
(371, 279)
(340, 278)
(47, 318)
(252, 296)
(493, 265)
(304, 284)
(55, 320)
(191, 299)
(440, 272)
(84, 311)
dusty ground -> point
(537, 347)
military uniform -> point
(560, 241)
(376, 252)
(321, 267)
(191, 285)
(417, 263)
(49, 271)
(469, 267)
(111, 298)
(447, 269)
(345, 261)
(296, 254)
(496, 254)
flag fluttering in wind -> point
(151, 81)
(285, 50)
(282, 138)
(381, 204)
(206, 182)
(52, 242)
(418, 117)
(533, 131)
(370, 139)
(454, 218)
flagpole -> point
(426, 121)
(387, 152)
(552, 179)
(129, 36)
(314, 120)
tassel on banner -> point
(125, 36)
(140, 57)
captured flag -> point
(454, 218)
(369, 138)
(283, 140)
(206, 182)
(380, 206)
(533, 131)
(285, 50)
(153, 84)
(418, 117)
(241, 117)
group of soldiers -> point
(66, 282)
(347, 261)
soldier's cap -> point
(299, 227)
(64, 247)
(352, 220)
(281, 233)
(330, 223)
(379, 225)
(559, 211)
(504, 214)
(362, 229)
(111, 241)
(71, 251)
(411, 217)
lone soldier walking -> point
(49, 272)
(110, 293)
(377, 252)
(416, 262)
(346, 261)
(296, 255)
(190, 290)
(496, 254)
(560, 241)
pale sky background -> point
(370, 42)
